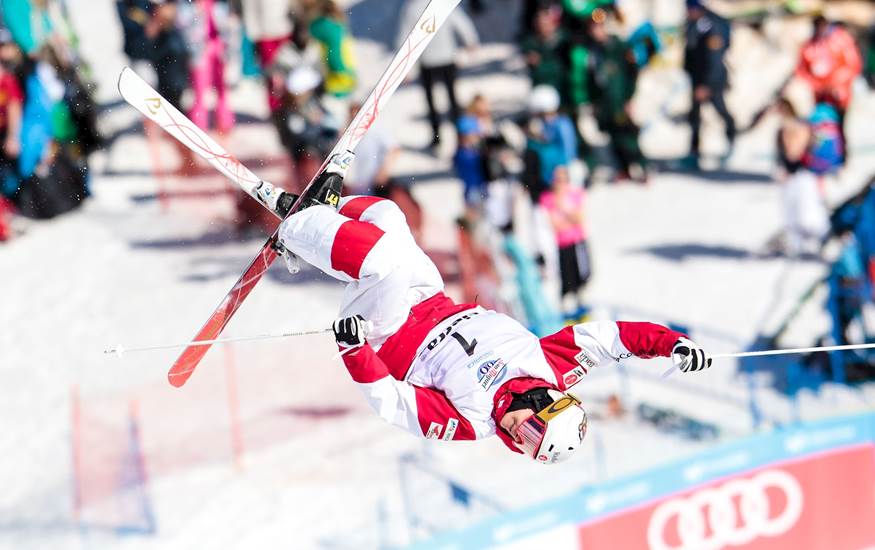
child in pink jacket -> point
(564, 204)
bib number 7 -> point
(466, 345)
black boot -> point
(285, 203)
(325, 190)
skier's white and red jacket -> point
(450, 371)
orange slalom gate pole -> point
(234, 408)
(76, 450)
(153, 144)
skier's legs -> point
(310, 235)
(383, 273)
(383, 213)
(368, 245)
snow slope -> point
(288, 455)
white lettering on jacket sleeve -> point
(599, 342)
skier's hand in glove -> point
(350, 332)
(689, 357)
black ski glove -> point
(689, 357)
(350, 332)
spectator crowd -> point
(577, 127)
(47, 116)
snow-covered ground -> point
(269, 445)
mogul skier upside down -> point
(449, 371)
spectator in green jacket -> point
(545, 51)
(328, 28)
(613, 79)
(577, 16)
(583, 9)
(868, 47)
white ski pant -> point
(806, 219)
(368, 245)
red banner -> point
(823, 502)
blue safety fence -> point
(415, 474)
(849, 291)
(598, 501)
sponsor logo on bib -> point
(479, 359)
(491, 372)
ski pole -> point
(120, 350)
(763, 353)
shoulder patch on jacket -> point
(715, 42)
(452, 424)
(434, 431)
(573, 376)
(585, 360)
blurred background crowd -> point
(47, 117)
(704, 164)
(524, 174)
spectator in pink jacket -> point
(204, 22)
(564, 204)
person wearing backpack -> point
(806, 221)
(826, 150)
(829, 63)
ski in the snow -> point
(140, 95)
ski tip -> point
(178, 379)
(125, 70)
(184, 367)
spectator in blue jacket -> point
(551, 142)
(848, 287)
(468, 162)
(544, 102)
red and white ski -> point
(146, 100)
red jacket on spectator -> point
(830, 63)
(5, 213)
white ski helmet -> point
(552, 434)
(543, 99)
(303, 79)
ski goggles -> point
(533, 430)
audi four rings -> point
(716, 507)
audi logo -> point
(737, 512)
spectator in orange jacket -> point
(829, 62)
